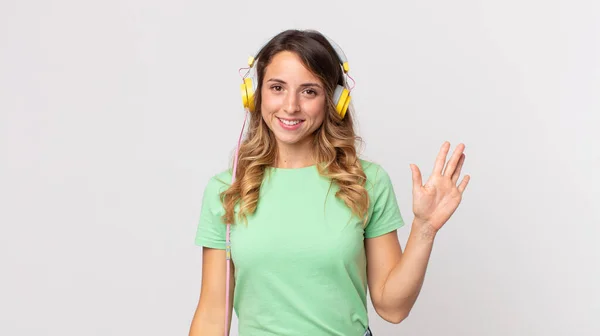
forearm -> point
(209, 317)
(201, 328)
(404, 282)
(205, 325)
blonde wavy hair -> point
(334, 144)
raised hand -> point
(435, 202)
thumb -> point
(416, 176)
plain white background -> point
(114, 115)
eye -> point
(276, 87)
(311, 92)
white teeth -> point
(290, 123)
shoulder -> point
(384, 212)
(215, 185)
(221, 179)
(377, 176)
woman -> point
(312, 224)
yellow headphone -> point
(341, 95)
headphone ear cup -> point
(341, 100)
(244, 93)
(248, 89)
(346, 105)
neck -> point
(294, 156)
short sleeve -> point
(211, 230)
(385, 216)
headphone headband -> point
(342, 59)
(340, 53)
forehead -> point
(288, 65)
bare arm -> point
(396, 278)
(209, 318)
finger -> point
(464, 183)
(456, 174)
(441, 158)
(453, 162)
(416, 176)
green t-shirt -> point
(300, 263)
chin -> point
(289, 140)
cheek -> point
(270, 101)
(316, 109)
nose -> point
(291, 103)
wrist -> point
(423, 230)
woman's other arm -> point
(209, 318)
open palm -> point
(435, 202)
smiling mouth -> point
(290, 122)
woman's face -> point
(293, 99)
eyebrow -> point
(277, 80)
